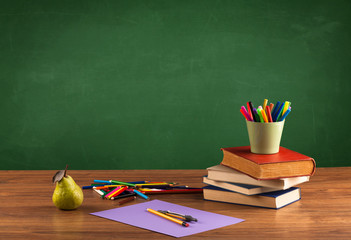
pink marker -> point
(246, 114)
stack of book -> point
(256, 179)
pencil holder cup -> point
(265, 137)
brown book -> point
(285, 163)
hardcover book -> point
(285, 163)
(239, 187)
(275, 200)
(226, 174)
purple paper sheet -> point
(136, 215)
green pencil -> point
(123, 183)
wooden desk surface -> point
(27, 211)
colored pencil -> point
(123, 183)
(141, 194)
(129, 199)
(160, 191)
(107, 186)
(123, 195)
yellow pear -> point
(67, 195)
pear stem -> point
(65, 170)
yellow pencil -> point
(168, 217)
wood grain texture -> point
(27, 211)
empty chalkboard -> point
(159, 84)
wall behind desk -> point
(159, 84)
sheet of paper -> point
(136, 215)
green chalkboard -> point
(159, 84)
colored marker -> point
(275, 109)
(285, 114)
(264, 115)
(141, 194)
(271, 106)
(264, 104)
(242, 112)
(286, 106)
(276, 115)
(260, 114)
(249, 109)
(269, 116)
(255, 114)
(168, 217)
(252, 112)
(245, 113)
(280, 112)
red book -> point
(285, 163)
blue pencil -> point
(141, 194)
(102, 181)
(138, 182)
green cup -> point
(265, 137)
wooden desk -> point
(27, 212)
